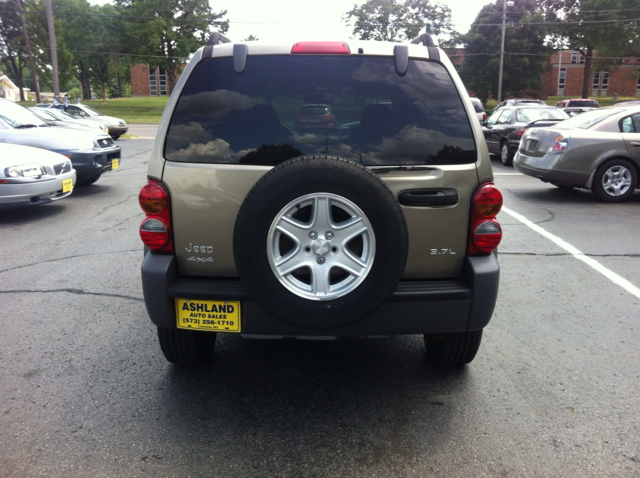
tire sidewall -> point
(598, 187)
(289, 184)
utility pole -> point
(28, 45)
(504, 20)
(54, 50)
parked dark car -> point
(504, 128)
(577, 106)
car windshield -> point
(61, 115)
(584, 103)
(527, 115)
(588, 118)
(18, 116)
(91, 111)
(314, 110)
(381, 118)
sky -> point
(297, 20)
(284, 20)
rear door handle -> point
(635, 143)
(429, 197)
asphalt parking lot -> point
(86, 392)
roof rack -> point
(425, 39)
(215, 39)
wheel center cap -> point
(321, 247)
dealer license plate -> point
(115, 163)
(215, 316)
(67, 185)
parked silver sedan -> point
(597, 150)
(34, 175)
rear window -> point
(588, 118)
(477, 105)
(528, 115)
(314, 110)
(380, 118)
(584, 104)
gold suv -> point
(382, 225)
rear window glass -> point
(377, 117)
(477, 105)
(535, 114)
(588, 118)
(584, 103)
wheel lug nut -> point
(328, 235)
(321, 260)
(313, 234)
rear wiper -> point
(26, 126)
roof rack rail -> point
(425, 39)
(215, 39)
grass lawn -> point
(132, 110)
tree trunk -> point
(120, 86)
(586, 80)
(171, 71)
(85, 82)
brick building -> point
(567, 73)
(149, 82)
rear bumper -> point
(415, 307)
(548, 169)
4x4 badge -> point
(200, 259)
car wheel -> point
(186, 347)
(320, 241)
(506, 155)
(458, 348)
(615, 181)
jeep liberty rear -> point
(380, 223)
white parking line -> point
(612, 276)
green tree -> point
(526, 55)
(395, 20)
(165, 32)
(13, 54)
(595, 25)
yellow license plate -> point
(216, 316)
(115, 163)
(67, 185)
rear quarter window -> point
(380, 118)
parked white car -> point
(34, 175)
(117, 126)
(60, 118)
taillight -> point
(484, 116)
(320, 48)
(484, 232)
(559, 145)
(155, 230)
(519, 133)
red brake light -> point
(519, 133)
(155, 230)
(153, 198)
(321, 48)
(484, 232)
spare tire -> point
(320, 241)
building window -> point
(153, 83)
(163, 82)
(574, 58)
(596, 81)
(562, 78)
(605, 80)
